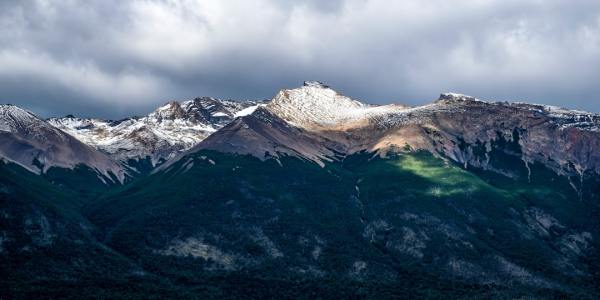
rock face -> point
(37, 146)
(461, 128)
(563, 140)
(158, 136)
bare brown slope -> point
(262, 134)
(36, 145)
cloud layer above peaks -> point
(118, 58)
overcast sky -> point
(114, 58)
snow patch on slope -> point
(248, 110)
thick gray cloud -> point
(115, 58)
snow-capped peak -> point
(317, 106)
(13, 118)
(314, 104)
(315, 83)
(170, 111)
(456, 97)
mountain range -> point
(311, 193)
(158, 136)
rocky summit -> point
(309, 194)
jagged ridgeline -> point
(309, 194)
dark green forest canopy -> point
(213, 224)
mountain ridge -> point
(160, 135)
(459, 127)
(344, 125)
(37, 145)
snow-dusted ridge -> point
(456, 97)
(566, 118)
(563, 117)
(159, 136)
(316, 106)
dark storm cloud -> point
(116, 58)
